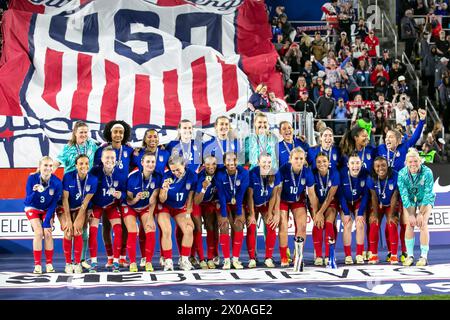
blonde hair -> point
(259, 87)
(176, 160)
(297, 150)
(412, 152)
(73, 139)
(44, 158)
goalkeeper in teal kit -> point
(415, 184)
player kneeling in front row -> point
(176, 201)
(43, 192)
(415, 183)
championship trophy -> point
(332, 259)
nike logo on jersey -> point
(226, 183)
(136, 188)
(284, 151)
(71, 186)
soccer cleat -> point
(133, 267)
(37, 269)
(403, 256)
(288, 254)
(318, 261)
(408, 261)
(49, 268)
(115, 267)
(269, 263)
(211, 264)
(162, 262)
(168, 265)
(94, 268)
(348, 260)
(216, 261)
(393, 259)
(237, 264)
(185, 264)
(109, 264)
(85, 264)
(252, 264)
(143, 262)
(374, 259)
(388, 257)
(204, 265)
(285, 263)
(226, 264)
(78, 268)
(194, 262)
(367, 255)
(123, 263)
(422, 262)
(149, 267)
(325, 261)
(68, 268)
(359, 259)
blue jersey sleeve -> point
(243, 190)
(29, 189)
(51, 209)
(370, 184)
(309, 178)
(416, 135)
(335, 180)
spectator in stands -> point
(440, 71)
(301, 86)
(379, 71)
(362, 31)
(305, 104)
(359, 49)
(373, 44)
(401, 113)
(340, 91)
(340, 113)
(285, 69)
(429, 154)
(384, 106)
(398, 69)
(366, 122)
(362, 73)
(305, 48)
(332, 70)
(277, 33)
(277, 104)
(290, 92)
(285, 48)
(308, 72)
(386, 60)
(429, 61)
(279, 10)
(409, 30)
(394, 90)
(342, 42)
(403, 86)
(420, 9)
(441, 9)
(318, 48)
(381, 87)
(293, 57)
(381, 123)
(325, 105)
(286, 27)
(345, 23)
(259, 99)
(444, 94)
(442, 45)
(319, 88)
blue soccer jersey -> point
(352, 190)
(78, 189)
(383, 188)
(367, 156)
(137, 183)
(334, 156)
(107, 184)
(211, 190)
(294, 184)
(123, 159)
(285, 148)
(262, 189)
(45, 200)
(231, 187)
(323, 184)
(162, 157)
(179, 189)
(217, 148)
(191, 152)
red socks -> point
(167, 254)
(359, 249)
(210, 244)
(283, 253)
(374, 237)
(329, 233)
(67, 247)
(131, 246)
(93, 245)
(271, 238)
(117, 228)
(37, 257)
(393, 237)
(348, 250)
(185, 251)
(77, 248)
(150, 241)
(237, 243)
(225, 244)
(402, 237)
(251, 241)
(49, 256)
(317, 235)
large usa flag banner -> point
(148, 62)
